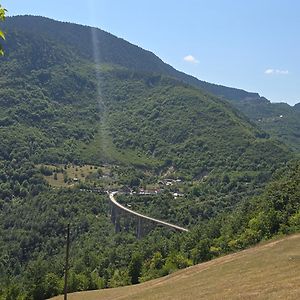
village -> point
(103, 178)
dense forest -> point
(113, 50)
(280, 120)
(33, 237)
(145, 122)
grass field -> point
(72, 171)
(267, 271)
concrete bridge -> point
(143, 222)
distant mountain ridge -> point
(82, 38)
(297, 106)
(280, 120)
(75, 42)
(48, 81)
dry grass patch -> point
(68, 175)
(269, 271)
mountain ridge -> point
(67, 81)
(222, 91)
(155, 64)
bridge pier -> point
(115, 218)
(113, 213)
(144, 224)
(127, 223)
(117, 224)
(139, 228)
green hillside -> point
(59, 108)
(90, 42)
(127, 118)
(193, 131)
(280, 120)
(45, 84)
(93, 44)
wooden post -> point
(67, 263)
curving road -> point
(114, 201)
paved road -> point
(114, 201)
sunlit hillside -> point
(268, 271)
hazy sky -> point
(249, 44)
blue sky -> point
(254, 45)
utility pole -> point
(67, 263)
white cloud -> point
(191, 59)
(276, 72)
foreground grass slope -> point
(268, 271)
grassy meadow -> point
(267, 271)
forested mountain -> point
(62, 103)
(280, 120)
(88, 42)
(49, 83)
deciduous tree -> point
(2, 36)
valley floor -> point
(267, 271)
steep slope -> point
(189, 129)
(47, 85)
(58, 107)
(89, 44)
(268, 271)
(112, 50)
